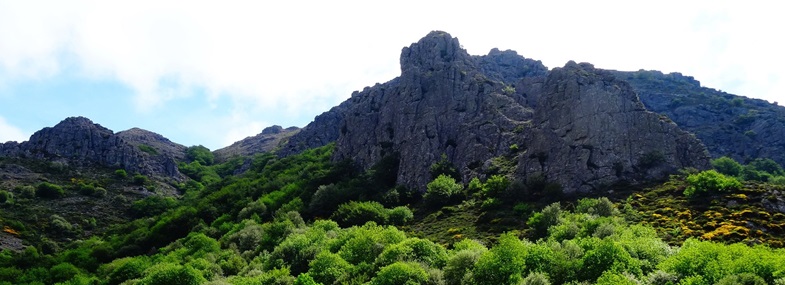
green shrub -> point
(767, 165)
(358, 213)
(25, 191)
(778, 180)
(327, 267)
(305, 279)
(614, 278)
(120, 174)
(536, 278)
(727, 166)
(460, 265)
(6, 197)
(444, 167)
(63, 272)
(49, 190)
(608, 255)
(742, 279)
(503, 264)
(709, 181)
(140, 179)
(600, 206)
(541, 221)
(170, 273)
(148, 149)
(200, 154)
(401, 273)
(443, 191)
(414, 249)
(400, 215)
(496, 185)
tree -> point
(49, 190)
(503, 264)
(727, 166)
(401, 273)
(443, 191)
(709, 181)
(200, 154)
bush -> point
(49, 190)
(6, 197)
(496, 185)
(200, 154)
(767, 165)
(170, 273)
(140, 179)
(536, 278)
(742, 279)
(63, 272)
(727, 166)
(709, 181)
(503, 264)
(541, 221)
(602, 207)
(401, 273)
(327, 267)
(26, 191)
(400, 215)
(120, 174)
(443, 191)
(358, 213)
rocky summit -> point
(501, 113)
(78, 141)
(267, 141)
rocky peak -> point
(268, 140)
(435, 52)
(509, 67)
(153, 143)
(275, 129)
(80, 142)
(592, 130)
(577, 125)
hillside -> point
(465, 169)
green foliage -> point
(359, 213)
(171, 273)
(49, 190)
(415, 250)
(200, 154)
(123, 269)
(742, 279)
(496, 185)
(148, 149)
(305, 279)
(398, 273)
(140, 179)
(608, 256)
(443, 190)
(541, 221)
(120, 174)
(714, 261)
(727, 166)
(444, 167)
(153, 205)
(767, 165)
(63, 272)
(503, 264)
(536, 278)
(400, 215)
(6, 197)
(709, 181)
(600, 206)
(328, 267)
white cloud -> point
(9, 132)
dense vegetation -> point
(306, 220)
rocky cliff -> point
(577, 125)
(268, 140)
(729, 125)
(78, 141)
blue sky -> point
(212, 73)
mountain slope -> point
(448, 102)
(729, 125)
(78, 141)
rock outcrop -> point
(154, 143)
(729, 125)
(268, 140)
(78, 141)
(591, 130)
(577, 125)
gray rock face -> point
(160, 144)
(324, 129)
(577, 125)
(591, 130)
(729, 125)
(78, 141)
(267, 141)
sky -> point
(214, 72)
